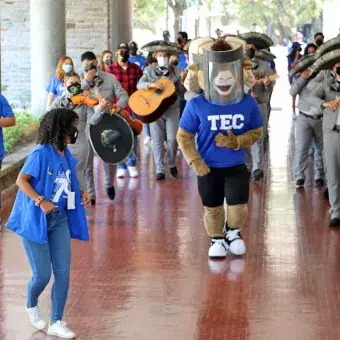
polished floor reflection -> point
(145, 273)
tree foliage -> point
(147, 12)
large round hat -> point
(329, 45)
(196, 48)
(112, 139)
(327, 61)
(161, 46)
(265, 55)
(303, 64)
(259, 40)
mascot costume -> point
(224, 121)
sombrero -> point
(303, 64)
(327, 61)
(265, 55)
(161, 46)
(259, 40)
(329, 45)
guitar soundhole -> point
(159, 91)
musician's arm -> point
(54, 105)
(120, 93)
(94, 115)
(50, 99)
(144, 82)
(85, 85)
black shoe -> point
(300, 183)
(258, 175)
(160, 177)
(319, 182)
(111, 193)
(174, 172)
(334, 222)
(93, 201)
(326, 194)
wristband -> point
(39, 200)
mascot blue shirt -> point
(206, 120)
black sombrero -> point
(161, 46)
(303, 64)
(259, 40)
(328, 46)
(327, 61)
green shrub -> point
(23, 132)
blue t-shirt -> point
(62, 184)
(206, 120)
(56, 87)
(139, 60)
(182, 62)
(5, 112)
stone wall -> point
(87, 29)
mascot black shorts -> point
(230, 183)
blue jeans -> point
(56, 253)
(131, 161)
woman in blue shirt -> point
(56, 86)
(47, 213)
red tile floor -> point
(145, 273)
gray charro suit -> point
(113, 91)
(262, 95)
(165, 126)
(308, 127)
(331, 141)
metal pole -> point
(167, 15)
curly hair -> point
(55, 127)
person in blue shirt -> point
(7, 119)
(56, 86)
(135, 58)
(47, 213)
(224, 121)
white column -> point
(48, 44)
(121, 17)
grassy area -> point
(23, 132)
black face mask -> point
(73, 134)
(124, 56)
(337, 70)
(174, 63)
(74, 89)
(319, 42)
(133, 50)
(250, 53)
(108, 61)
(90, 68)
(180, 40)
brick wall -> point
(87, 29)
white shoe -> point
(36, 318)
(218, 248)
(234, 241)
(147, 140)
(59, 329)
(133, 172)
(121, 173)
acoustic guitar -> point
(150, 104)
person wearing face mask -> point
(106, 60)
(319, 39)
(308, 124)
(326, 96)
(106, 85)
(261, 91)
(48, 212)
(56, 86)
(140, 60)
(86, 115)
(166, 126)
(128, 74)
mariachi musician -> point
(166, 126)
(89, 110)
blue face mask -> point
(67, 68)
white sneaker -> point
(133, 172)
(147, 140)
(59, 329)
(121, 173)
(218, 248)
(234, 241)
(36, 318)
